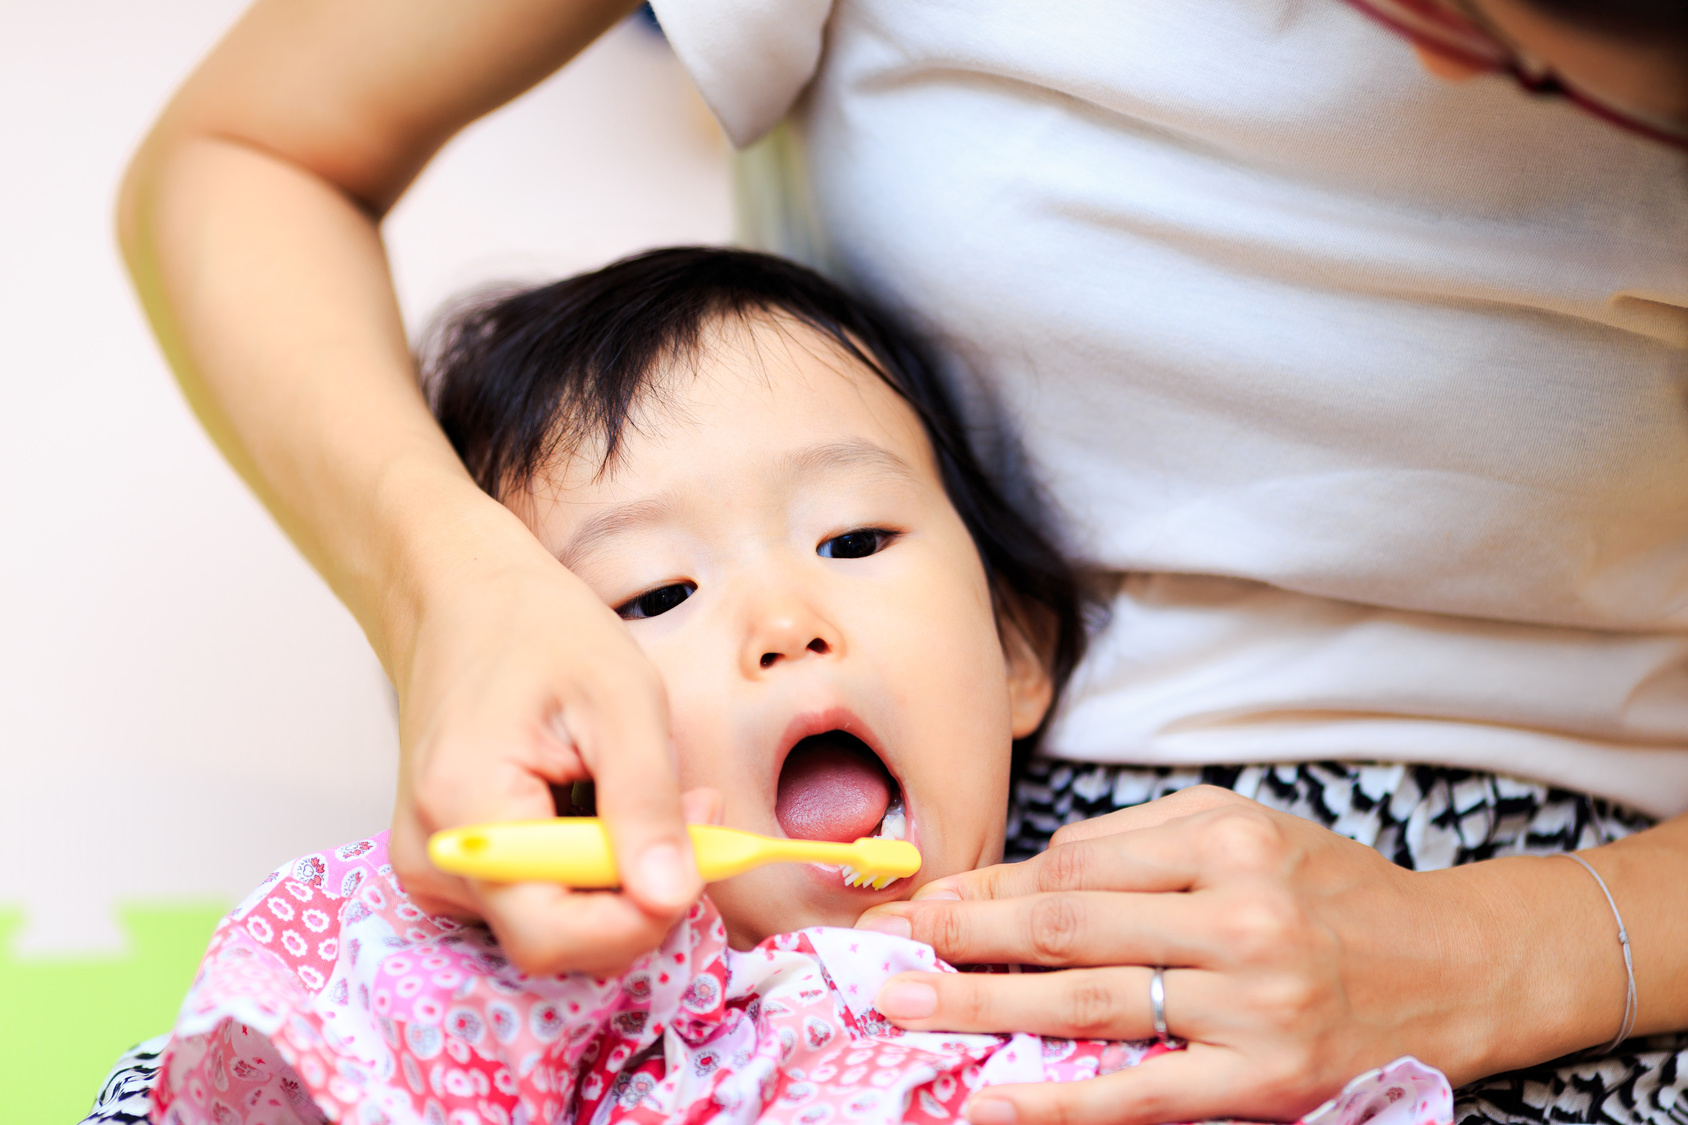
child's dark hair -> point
(523, 378)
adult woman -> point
(1347, 378)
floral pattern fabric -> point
(328, 996)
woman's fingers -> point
(429, 888)
(1138, 849)
(1141, 862)
(605, 931)
(1111, 1003)
(622, 736)
(702, 805)
(1174, 806)
(1104, 900)
(1126, 876)
(489, 782)
(1056, 929)
(1200, 1083)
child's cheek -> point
(694, 689)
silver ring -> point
(1157, 1003)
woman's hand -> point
(1296, 960)
(519, 679)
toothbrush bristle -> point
(880, 861)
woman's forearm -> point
(1648, 877)
(1534, 950)
(270, 292)
(249, 221)
(1529, 966)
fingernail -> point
(935, 894)
(990, 1111)
(893, 924)
(907, 1000)
(662, 875)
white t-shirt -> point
(1370, 389)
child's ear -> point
(1030, 689)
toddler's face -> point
(775, 532)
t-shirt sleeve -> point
(750, 59)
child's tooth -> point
(895, 824)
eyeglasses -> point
(1454, 30)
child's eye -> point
(655, 603)
(856, 544)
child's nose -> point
(785, 629)
(816, 645)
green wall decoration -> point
(64, 1020)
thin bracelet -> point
(1630, 1003)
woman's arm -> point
(249, 219)
(1299, 958)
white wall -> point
(183, 703)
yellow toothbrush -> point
(575, 851)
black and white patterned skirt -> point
(1424, 818)
(126, 1096)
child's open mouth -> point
(834, 787)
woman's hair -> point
(521, 379)
(1630, 19)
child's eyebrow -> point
(856, 454)
(622, 517)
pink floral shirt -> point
(328, 995)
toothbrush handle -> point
(575, 851)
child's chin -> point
(762, 913)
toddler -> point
(857, 633)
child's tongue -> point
(832, 787)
